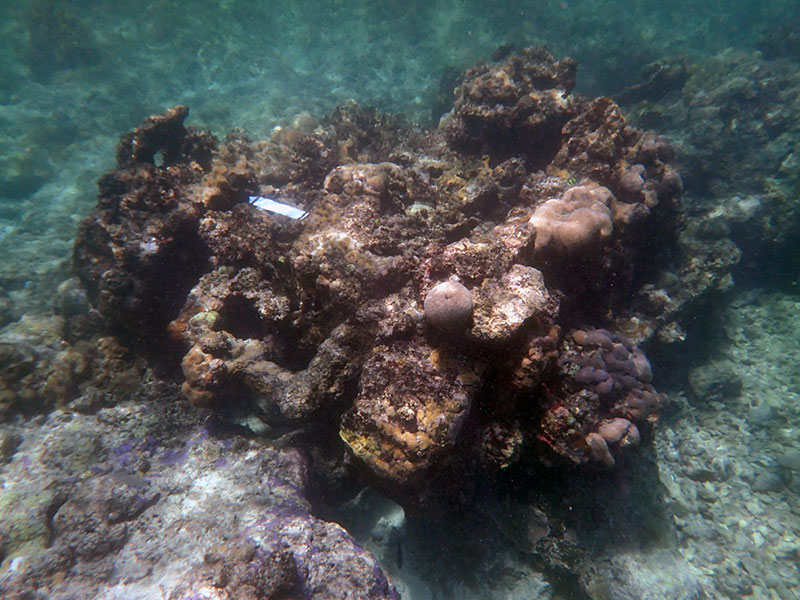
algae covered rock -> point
(405, 428)
(150, 492)
(506, 307)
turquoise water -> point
(75, 75)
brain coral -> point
(448, 306)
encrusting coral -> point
(419, 307)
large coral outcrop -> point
(518, 106)
(323, 321)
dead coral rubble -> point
(547, 208)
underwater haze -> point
(74, 75)
(423, 300)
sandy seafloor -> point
(729, 451)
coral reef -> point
(581, 218)
(734, 121)
(732, 97)
(517, 107)
(728, 467)
(607, 382)
(340, 314)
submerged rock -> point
(716, 382)
(661, 576)
(143, 492)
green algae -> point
(23, 521)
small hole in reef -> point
(241, 319)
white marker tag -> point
(277, 207)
